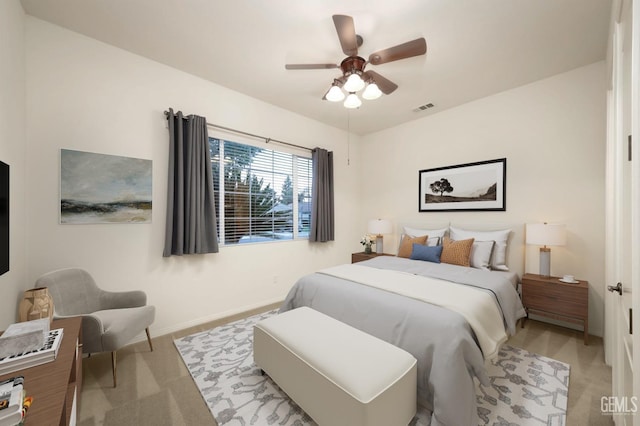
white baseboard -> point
(561, 323)
(156, 332)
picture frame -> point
(102, 188)
(479, 186)
(4, 218)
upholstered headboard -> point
(516, 241)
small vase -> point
(367, 248)
(36, 304)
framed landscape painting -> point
(101, 188)
(465, 187)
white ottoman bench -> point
(339, 375)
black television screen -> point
(4, 217)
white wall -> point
(86, 95)
(552, 133)
(12, 151)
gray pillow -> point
(435, 235)
(480, 256)
(499, 259)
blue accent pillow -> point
(428, 253)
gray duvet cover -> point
(441, 340)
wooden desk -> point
(55, 386)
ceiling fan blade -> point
(310, 66)
(405, 50)
(347, 34)
(386, 86)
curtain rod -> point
(266, 139)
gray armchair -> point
(109, 319)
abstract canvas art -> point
(101, 188)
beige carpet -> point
(155, 388)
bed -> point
(472, 314)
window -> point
(265, 195)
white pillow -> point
(480, 256)
(435, 235)
(499, 259)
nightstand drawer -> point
(552, 298)
(556, 298)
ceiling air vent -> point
(424, 107)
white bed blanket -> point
(478, 307)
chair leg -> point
(113, 357)
(113, 367)
(149, 338)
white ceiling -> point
(474, 47)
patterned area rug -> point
(526, 388)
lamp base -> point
(379, 244)
(545, 261)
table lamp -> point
(379, 227)
(545, 234)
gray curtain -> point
(322, 217)
(191, 213)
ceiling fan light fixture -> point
(352, 101)
(354, 83)
(354, 78)
(371, 92)
(335, 94)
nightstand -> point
(359, 257)
(549, 297)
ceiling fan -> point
(354, 77)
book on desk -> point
(12, 396)
(56, 386)
(46, 353)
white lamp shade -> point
(352, 101)
(354, 83)
(371, 92)
(545, 234)
(335, 94)
(379, 226)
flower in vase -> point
(366, 241)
